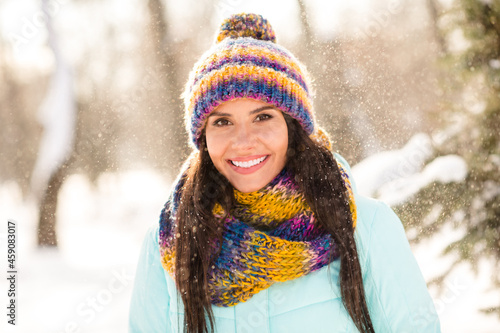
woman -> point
(264, 230)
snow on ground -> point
(85, 285)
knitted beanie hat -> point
(246, 62)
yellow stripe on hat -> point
(249, 73)
(262, 52)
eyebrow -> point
(220, 114)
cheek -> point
(283, 148)
(215, 149)
(279, 140)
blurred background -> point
(92, 135)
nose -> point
(244, 138)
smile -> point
(248, 164)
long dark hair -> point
(199, 229)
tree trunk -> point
(57, 115)
(308, 35)
(433, 9)
(171, 111)
(47, 235)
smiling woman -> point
(247, 141)
(264, 230)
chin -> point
(251, 185)
(248, 188)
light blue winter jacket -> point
(396, 293)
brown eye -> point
(263, 116)
(221, 122)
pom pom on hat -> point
(245, 62)
(246, 25)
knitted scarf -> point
(270, 236)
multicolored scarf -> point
(270, 236)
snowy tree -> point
(57, 115)
(472, 131)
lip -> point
(246, 171)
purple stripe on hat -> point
(249, 60)
(239, 57)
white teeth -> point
(248, 164)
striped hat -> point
(246, 62)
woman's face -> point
(247, 141)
